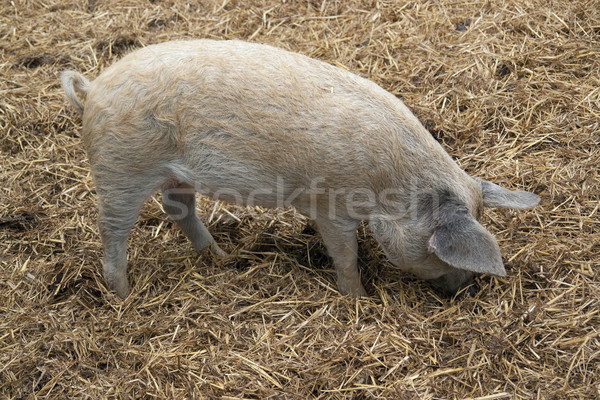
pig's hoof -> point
(122, 289)
(218, 251)
(116, 281)
(355, 292)
(362, 292)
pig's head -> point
(442, 241)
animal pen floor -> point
(510, 88)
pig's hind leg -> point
(179, 201)
(119, 201)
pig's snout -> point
(456, 282)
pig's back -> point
(272, 112)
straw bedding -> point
(510, 88)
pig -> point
(257, 125)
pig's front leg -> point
(340, 240)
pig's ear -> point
(460, 241)
(497, 196)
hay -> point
(511, 89)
